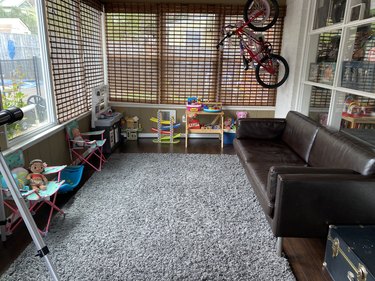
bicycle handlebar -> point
(227, 35)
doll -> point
(37, 180)
(78, 140)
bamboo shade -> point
(133, 52)
(65, 22)
(92, 46)
(164, 53)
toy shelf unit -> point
(358, 122)
(193, 118)
(102, 118)
(165, 127)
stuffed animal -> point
(241, 114)
(37, 181)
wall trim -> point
(181, 106)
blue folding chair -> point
(72, 176)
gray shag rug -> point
(160, 217)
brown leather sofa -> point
(305, 176)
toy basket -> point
(194, 107)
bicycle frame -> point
(262, 52)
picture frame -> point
(357, 12)
(314, 72)
(327, 73)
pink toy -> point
(241, 114)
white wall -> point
(292, 50)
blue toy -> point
(72, 176)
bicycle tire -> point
(270, 20)
(278, 83)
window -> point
(164, 53)
(23, 72)
(74, 29)
(339, 87)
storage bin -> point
(229, 137)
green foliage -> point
(27, 15)
(14, 97)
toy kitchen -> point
(102, 118)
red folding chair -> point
(82, 148)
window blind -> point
(239, 87)
(65, 22)
(92, 46)
(164, 53)
(189, 55)
(133, 52)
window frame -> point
(338, 92)
(47, 76)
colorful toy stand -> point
(168, 129)
(72, 176)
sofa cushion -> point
(260, 128)
(299, 133)
(273, 151)
(274, 171)
(337, 150)
(258, 172)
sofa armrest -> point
(306, 204)
(260, 128)
(275, 171)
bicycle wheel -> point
(267, 19)
(268, 80)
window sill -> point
(38, 137)
(32, 140)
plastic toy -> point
(228, 123)
(241, 114)
(212, 107)
(169, 128)
(193, 104)
(37, 180)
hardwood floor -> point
(305, 255)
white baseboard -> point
(191, 136)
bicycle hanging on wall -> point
(271, 70)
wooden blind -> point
(92, 45)
(65, 20)
(133, 52)
(164, 53)
(189, 55)
(239, 87)
(320, 98)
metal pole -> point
(3, 220)
(2, 78)
(36, 75)
(42, 249)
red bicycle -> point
(271, 70)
